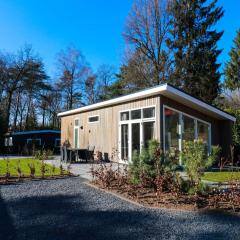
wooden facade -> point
(104, 135)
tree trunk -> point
(9, 103)
(17, 111)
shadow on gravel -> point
(69, 217)
(7, 230)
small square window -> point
(149, 112)
(136, 114)
(93, 119)
(124, 116)
(76, 122)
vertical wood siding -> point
(104, 134)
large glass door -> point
(137, 127)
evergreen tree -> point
(232, 68)
(194, 43)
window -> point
(148, 132)
(149, 112)
(136, 114)
(76, 122)
(57, 142)
(135, 137)
(203, 133)
(36, 142)
(172, 134)
(124, 116)
(180, 127)
(8, 142)
(93, 119)
(188, 128)
(137, 127)
(124, 141)
(76, 133)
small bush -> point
(43, 154)
(19, 170)
(43, 169)
(32, 169)
(7, 175)
(196, 161)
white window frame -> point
(94, 121)
(130, 122)
(76, 127)
(181, 125)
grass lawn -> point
(221, 176)
(24, 165)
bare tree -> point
(147, 29)
(105, 77)
(72, 68)
(90, 89)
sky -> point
(95, 27)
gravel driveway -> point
(69, 209)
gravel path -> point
(69, 209)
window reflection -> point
(171, 130)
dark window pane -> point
(171, 130)
(149, 112)
(188, 129)
(203, 133)
(148, 132)
(136, 114)
(93, 119)
(76, 122)
(124, 141)
(136, 137)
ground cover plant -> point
(152, 179)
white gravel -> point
(69, 209)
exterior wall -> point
(220, 129)
(104, 134)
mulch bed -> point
(148, 198)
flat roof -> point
(35, 132)
(165, 90)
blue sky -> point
(95, 27)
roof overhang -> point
(165, 90)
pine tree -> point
(194, 43)
(232, 68)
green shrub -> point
(196, 160)
(150, 163)
(144, 163)
(43, 154)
